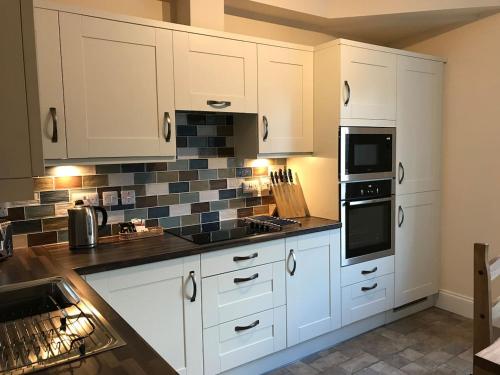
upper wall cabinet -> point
(118, 88)
(419, 125)
(368, 84)
(214, 74)
(285, 81)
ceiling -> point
(397, 27)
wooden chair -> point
(485, 311)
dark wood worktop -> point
(137, 357)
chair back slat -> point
(483, 327)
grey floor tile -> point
(414, 369)
(300, 368)
(326, 361)
(411, 354)
(385, 368)
(460, 364)
(396, 360)
(433, 360)
(359, 362)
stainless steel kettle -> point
(82, 225)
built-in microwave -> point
(366, 153)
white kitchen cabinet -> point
(214, 74)
(118, 88)
(50, 83)
(285, 93)
(419, 117)
(417, 259)
(313, 285)
(157, 301)
(368, 84)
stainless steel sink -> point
(45, 323)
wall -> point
(471, 140)
(200, 188)
(140, 8)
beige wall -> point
(247, 26)
(471, 146)
(141, 8)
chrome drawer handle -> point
(55, 136)
(219, 104)
(367, 288)
(244, 328)
(193, 280)
(167, 127)
(401, 216)
(266, 128)
(401, 173)
(346, 85)
(292, 255)
(364, 272)
(244, 279)
(248, 257)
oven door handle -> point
(368, 201)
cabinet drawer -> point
(231, 344)
(236, 294)
(367, 270)
(360, 303)
(242, 257)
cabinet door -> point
(418, 255)
(118, 88)
(155, 299)
(50, 84)
(368, 84)
(419, 125)
(215, 74)
(285, 100)
(313, 280)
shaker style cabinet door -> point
(368, 84)
(419, 125)
(285, 100)
(118, 88)
(157, 301)
(50, 83)
(313, 279)
(214, 74)
(417, 259)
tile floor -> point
(432, 341)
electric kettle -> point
(82, 225)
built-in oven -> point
(367, 214)
(366, 153)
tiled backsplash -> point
(202, 186)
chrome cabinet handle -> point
(167, 127)
(364, 272)
(218, 104)
(401, 173)
(238, 280)
(248, 257)
(366, 288)
(346, 85)
(193, 280)
(244, 328)
(55, 136)
(266, 128)
(401, 216)
(292, 255)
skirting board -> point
(456, 303)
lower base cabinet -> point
(159, 301)
(243, 340)
(312, 285)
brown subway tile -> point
(253, 201)
(154, 167)
(43, 183)
(237, 203)
(268, 199)
(35, 212)
(226, 173)
(225, 152)
(62, 236)
(96, 180)
(61, 209)
(200, 207)
(260, 171)
(68, 182)
(188, 175)
(15, 213)
(261, 210)
(149, 201)
(27, 226)
(172, 176)
(20, 241)
(190, 220)
(55, 196)
(44, 238)
(199, 185)
(218, 184)
(244, 212)
(54, 223)
(168, 200)
(140, 190)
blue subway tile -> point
(198, 164)
(178, 187)
(209, 217)
(227, 194)
(157, 212)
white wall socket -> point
(110, 198)
(128, 197)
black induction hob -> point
(231, 229)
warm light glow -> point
(65, 171)
(259, 163)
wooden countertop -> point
(136, 357)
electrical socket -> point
(110, 198)
(92, 199)
(128, 197)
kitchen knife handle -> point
(238, 280)
(167, 127)
(401, 173)
(218, 104)
(281, 175)
(367, 288)
(55, 136)
(266, 128)
(290, 176)
(346, 85)
(248, 257)
(276, 177)
(401, 216)
(195, 289)
(272, 178)
(244, 328)
(292, 255)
